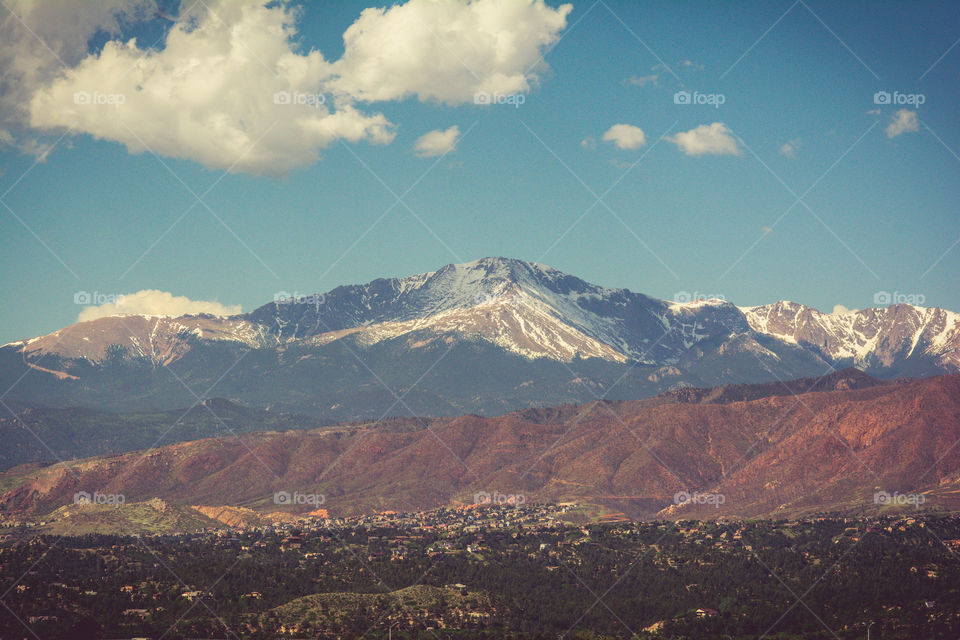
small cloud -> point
(766, 230)
(789, 148)
(839, 310)
(625, 136)
(437, 142)
(903, 121)
(589, 143)
(874, 112)
(642, 81)
(155, 303)
(707, 139)
(690, 64)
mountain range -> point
(485, 337)
(769, 450)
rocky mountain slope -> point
(769, 455)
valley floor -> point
(493, 572)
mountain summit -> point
(526, 308)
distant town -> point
(525, 571)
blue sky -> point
(824, 197)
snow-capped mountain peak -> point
(539, 312)
(866, 337)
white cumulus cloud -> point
(227, 90)
(707, 139)
(437, 143)
(447, 51)
(903, 121)
(155, 303)
(625, 136)
(232, 88)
